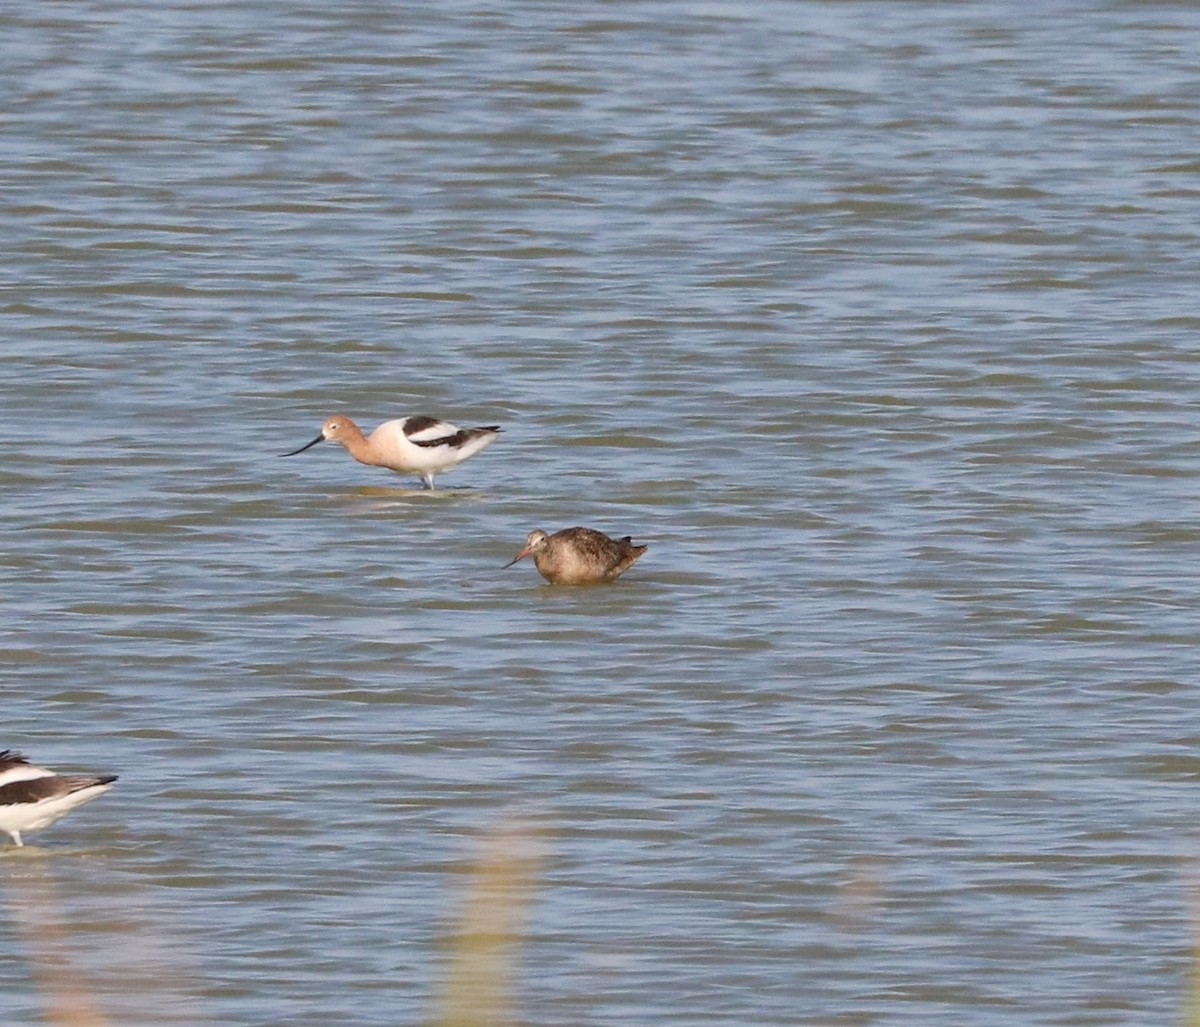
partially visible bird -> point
(32, 797)
(421, 444)
(579, 556)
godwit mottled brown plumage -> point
(579, 556)
(421, 444)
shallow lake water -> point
(876, 322)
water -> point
(875, 321)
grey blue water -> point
(876, 321)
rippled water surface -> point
(875, 321)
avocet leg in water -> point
(423, 445)
(32, 797)
(579, 556)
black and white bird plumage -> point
(32, 797)
(423, 445)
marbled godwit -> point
(579, 556)
(421, 444)
(32, 797)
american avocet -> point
(579, 556)
(33, 797)
(421, 444)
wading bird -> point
(32, 797)
(579, 556)
(421, 445)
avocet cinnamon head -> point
(335, 429)
(421, 444)
(579, 556)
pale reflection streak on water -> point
(875, 321)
